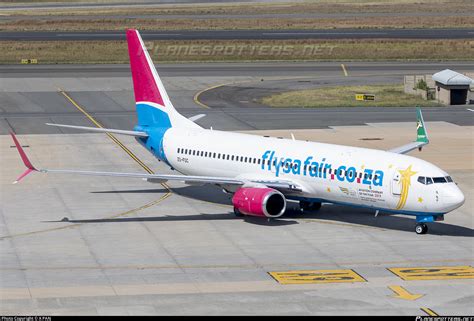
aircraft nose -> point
(453, 198)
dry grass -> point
(227, 24)
(207, 50)
(321, 6)
(344, 96)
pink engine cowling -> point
(254, 201)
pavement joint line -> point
(429, 312)
(344, 70)
(319, 221)
(237, 266)
(135, 210)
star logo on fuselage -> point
(405, 178)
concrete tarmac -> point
(106, 246)
(114, 246)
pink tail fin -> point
(146, 82)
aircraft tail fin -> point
(421, 133)
(154, 108)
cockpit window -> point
(434, 180)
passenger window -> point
(214, 155)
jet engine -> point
(255, 201)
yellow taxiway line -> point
(429, 312)
(402, 293)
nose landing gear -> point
(421, 228)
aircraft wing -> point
(421, 138)
(281, 185)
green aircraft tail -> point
(421, 133)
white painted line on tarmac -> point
(470, 109)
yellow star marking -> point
(405, 181)
(420, 199)
(329, 190)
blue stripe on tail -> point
(152, 117)
(155, 123)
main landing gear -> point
(421, 228)
(309, 206)
(237, 212)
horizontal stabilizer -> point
(103, 130)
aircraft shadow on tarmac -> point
(328, 212)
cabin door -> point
(396, 184)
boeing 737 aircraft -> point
(263, 173)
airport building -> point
(447, 87)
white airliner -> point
(264, 172)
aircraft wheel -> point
(421, 229)
(237, 212)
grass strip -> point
(344, 96)
(82, 52)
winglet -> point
(421, 133)
(24, 158)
